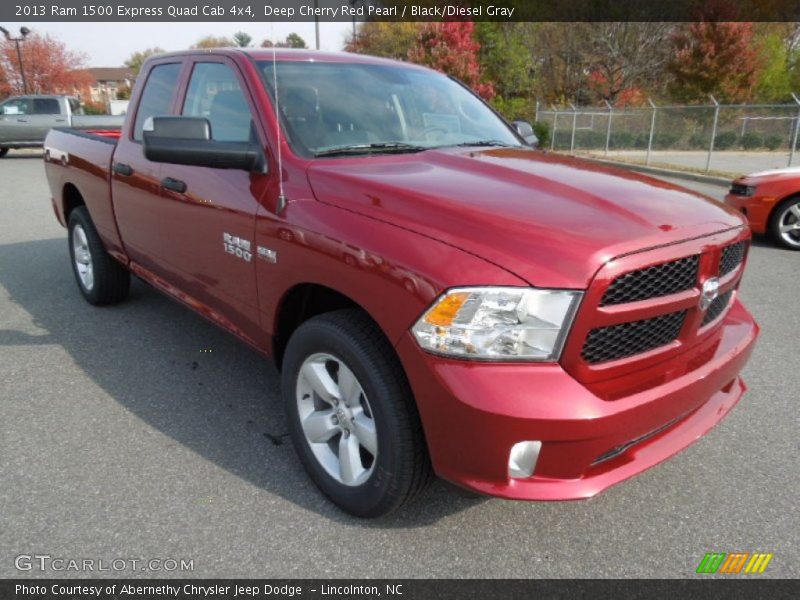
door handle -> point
(122, 169)
(174, 185)
(22, 120)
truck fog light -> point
(522, 460)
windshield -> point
(362, 108)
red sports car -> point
(771, 202)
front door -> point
(209, 226)
(135, 183)
(15, 117)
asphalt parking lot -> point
(121, 438)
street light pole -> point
(353, 5)
(24, 31)
(316, 21)
(21, 67)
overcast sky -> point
(109, 44)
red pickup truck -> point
(439, 296)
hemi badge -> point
(267, 254)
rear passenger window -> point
(157, 95)
(75, 106)
(46, 106)
(214, 93)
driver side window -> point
(17, 106)
(214, 93)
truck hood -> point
(551, 220)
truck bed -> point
(103, 125)
(82, 160)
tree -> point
(561, 56)
(389, 40)
(713, 57)
(625, 57)
(451, 47)
(50, 67)
(774, 44)
(136, 60)
(505, 57)
(124, 93)
(293, 40)
(242, 39)
(5, 85)
(506, 60)
(211, 41)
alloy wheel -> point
(336, 419)
(83, 257)
(789, 225)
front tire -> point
(784, 225)
(101, 279)
(3, 152)
(351, 415)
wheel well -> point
(72, 199)
(774, 212)
(300, 304)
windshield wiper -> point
(497, 143)
(381, 147)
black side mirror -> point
(525, 131)
(188, 141)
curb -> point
(710, 179)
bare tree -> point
(628, 55)
(560, 58)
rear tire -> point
(100, 278)
(3, 152)
(371, 421)
(784, 224)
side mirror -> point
(525, 130)
(187, 141)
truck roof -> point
(294, 54)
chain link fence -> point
(725, 139)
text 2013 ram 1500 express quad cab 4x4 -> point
(439, 296)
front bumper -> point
(473, 413)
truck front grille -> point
(626, 339)
(732, 257)
(653, 310)
(653, 282)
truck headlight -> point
(498, 323)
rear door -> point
(46, 113)
(210, 225)
(135, 184)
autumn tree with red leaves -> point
(451, 47)
(5, 86)
(714, 57)
(50, 67)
